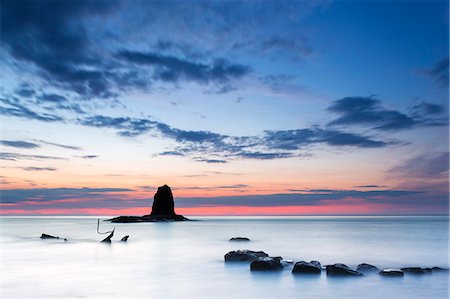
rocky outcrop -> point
(124, 239)
(341, 270)
(367, 268)
(163, 209)
(240, 239)
(267, 264)
(46, 236)
(244, 255)
(303, 267)
(416, 270)
(391, 272)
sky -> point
(242, 107)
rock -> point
(163, 202)
(341, 270)
(124, 239)
(391, 272)
(162, 210)
(303, 267)
(267, 264)
(244, 255)
(45, 236)
(416, 270)
(239, 239)
(366, 268)
(438, 269)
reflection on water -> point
(185, 259)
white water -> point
(185, 259)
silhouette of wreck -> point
(163, 209)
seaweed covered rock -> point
(303, 267)
(244, 255)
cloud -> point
(55, 44)
(25, 90)
(440, 72)
(126, 126)
(19, 144)
(13, 107)
(52, 194)
(426, 166)
(15, 157)
(370, 186)
(367, 111)
(71, 147)
(173, 69)
(39, 169)
(88, 156)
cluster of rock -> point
(261, 261)
(163, 209)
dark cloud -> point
(19, 144)
(50, 194)
(44, 33)
(16, 157)
(25, 90)
(13, 107)
(440, 72)
(426, 166)
(370, 186)
(174, 69)
(425, 109)
(367, 111)
(65, 146)
(53, 101)
(88, 156)
(214, 161)
(126, 126)
(39, 169)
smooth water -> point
(185, 259)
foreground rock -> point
(416, 270)
(438, 269)
(240, 239)
(267, 264)
(244, 255)
(391, 272)
(303, 267)
(367, 268)
(45, 236)
(124, 239)
(163, 209)
(341, 270)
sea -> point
(186, 259)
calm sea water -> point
(185, 259)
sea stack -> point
(163, 209)
(163, 204)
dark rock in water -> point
(244, 255)
(341, 270)
(267, 264)
(162, 210)
(303, 267)
(124, 239)
(366, 268)
(163, 202)
(438, 269)
(240, 239)
(416, 270)
(45, 236)
(391, 272)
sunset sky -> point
(243, 108)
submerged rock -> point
(391, 272)
(303, 267)
(46, 236)
(240, 239)
(244, 255)
(267, 264)
(367, 268)
(124, 239)
(438, 269)
(162, 209)
(416, 270)
(341, 270)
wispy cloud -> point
(19, 144)
(31, 168)
(439, 72)
(16, 157)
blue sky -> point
(267, 97)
